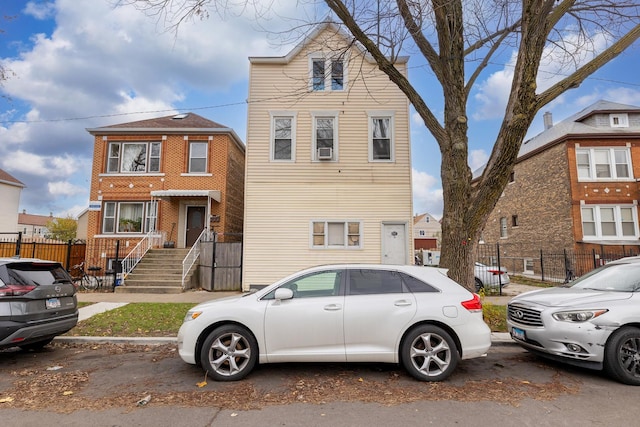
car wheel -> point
(479, 284)
(622, 355)
(429, 353)
(229, 353)
(36, 346)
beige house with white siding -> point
(328, 172)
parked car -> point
(340, 313)
(594, 322)
(37, 302)
(490, 276)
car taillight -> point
(15, 290)
(474, 304)
(495, 272)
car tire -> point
(36, 346)
(479, 284)
(229, 353)
(429, 353)
(622, 355)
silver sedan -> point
(594, 323)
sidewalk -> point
(109, 301)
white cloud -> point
(65, 188)
(477, 158)
(427, 194)
(555, 65)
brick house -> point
(328, 175)
(574, 189)
(176, 175)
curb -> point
(497, 339)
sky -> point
(75, 65)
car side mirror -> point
(283, 293)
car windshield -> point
(611, 277)
(35, 274)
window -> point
(317, 66)
(380, 140)
(416, 285)
(620, 120)
(325, 137)
(282, 142)
(128, 217)
(198, 157)
(319, 284)
(609, 222)
(327, 74)
(367, 282)
(603, 163)
(422, 233)
(512, 176)
(503, 227)
(514, 220)
(133, 157)
(337, 75)
(335, 234)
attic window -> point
(620, 120)
(180, 116)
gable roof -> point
(574, 126)
(32, 219)
(6, 178)
(310, 37)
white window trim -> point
(346, 235)
(116, 217)
(598, 222)
(623, 120)
(382, 115)
(206, 158)
(120, 158)
(282, 115)
(314, 150)
(612, 164)
(344, 57)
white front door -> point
(394, 244)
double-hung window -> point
(327, 74)
(133, 157)
(380, 137)
(128, 217)
(325, 136)
(282, 137)
(602, 222)
(603, 164)
(198, 155)
(336, 234)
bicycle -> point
(81, 279)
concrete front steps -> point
(158, 272)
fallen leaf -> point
(6, 399)
(67, 393)
(201, 384)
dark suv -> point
(37, 302)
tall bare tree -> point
(459, 39)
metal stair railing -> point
(151, 239)
(192, 256)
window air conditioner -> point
(325, 153)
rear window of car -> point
(32, 274)
(417, 285)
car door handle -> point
(402, 303)
(333, 307)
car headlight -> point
(578, 315)
(192, 315)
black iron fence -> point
(549, 266)
(102, 257)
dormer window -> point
(619, 120)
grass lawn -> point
(164, 320)
(135, 320)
